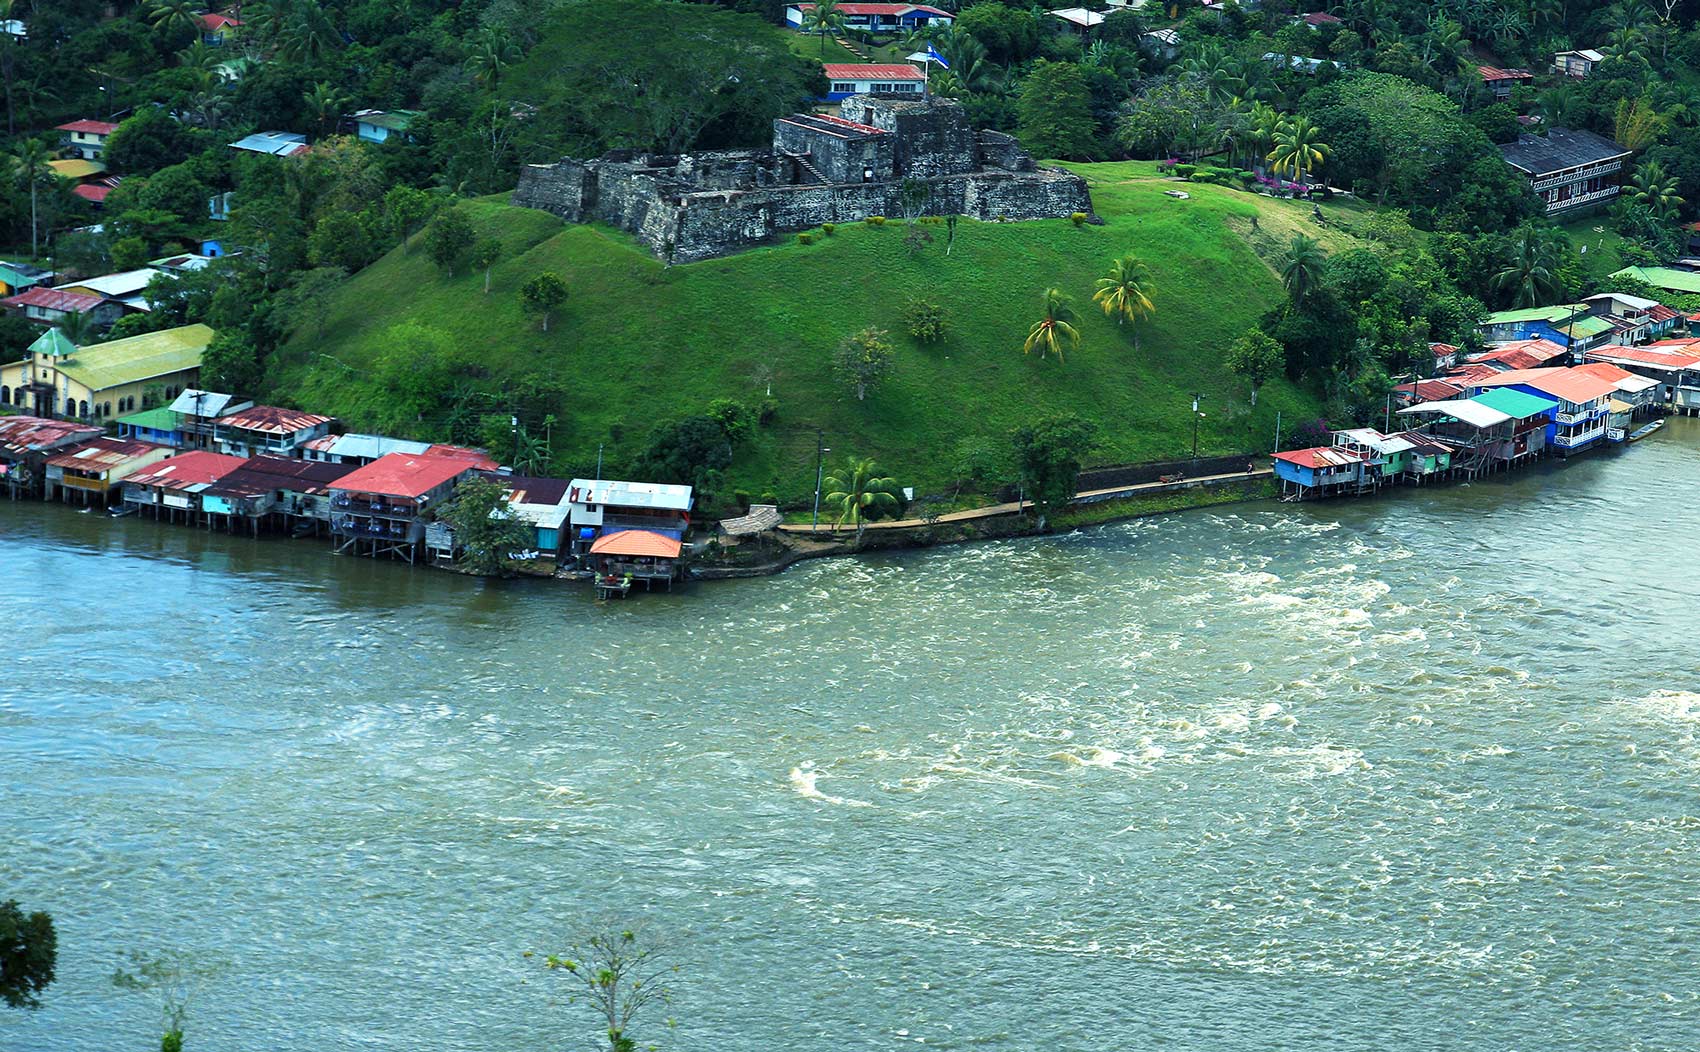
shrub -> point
(734, 418)
(1077, 218)
(805, 238)
(924, 319)
(828, 228)
(1185, 170)
(741, 497)
(770, 497)
(875, 220)
(768, 412)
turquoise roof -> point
(54, 344)
(1516, 404)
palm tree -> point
(79, 328)
(823, 18)
(305, 32)
(491, 54)
(1299, 149)
(326, 103)
(29, 167)
(860, 493)
(1125, 293)
(1303, 271)
(1265, 119)
(208, 109)
(1530, 277)
(1655, 188)
(174, 16)
(1056, 328)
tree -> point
(406, 208)
(29, 167)
(620, 974)
(449, 238)
(1530, 277)
(692, 452)
(489, 57)
(1055, 329)
(484, 526)
(1256, 356)
(823, 19)
(861, 494)
(864, 361)
(174, 977)
(542, 294)
(1299, 149)
(340, 239)
(129, 253)
(1047, 458)
(1125, 293)
(149, 140)
(484, 256)
(230, 363)
(1302, 272)
(29, 950)
(1053, 114)
(1656, 189)
(325, 104)
(174, 17)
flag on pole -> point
(934, 56)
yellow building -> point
(103, 380)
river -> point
(1414, 772)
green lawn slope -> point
(639, 344)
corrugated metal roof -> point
(195, 402)
(54, 299)
(403, 475)
(197, 468)
(34, 434)
(272, 420)
(103, 365)
(103, 454)
(124, 283)
(872, 71)
(1320, 457)
(1518, 405)
(367, 447)
(1668, 359)
(630, 494)
(1470, 411)
(88, 127)
(263, 474)
(636, 543)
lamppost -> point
(820, 466)
(1196, 417)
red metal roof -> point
(872, 71)
(102, 453)
(1467, 374)
(1660, 312)
(477, 458)
(882, 9)
(1320, 18)
(1320, 457)
(54, 299)
(1493, 73)
(218, 21)
(636, 542)
(404, 474)
(264, 474)
(195, 468)
(1568, 384)
(1443, 350)
(271, 420)
(23, 434)
(88, 127)
(1522, 354)
(95, 193)
(1605, 371)
(1431, 390)
(1664, 357)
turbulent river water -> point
(1416, 772)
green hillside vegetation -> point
(638, 344)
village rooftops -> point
(193, 471)
(530, 489)
(215, 21)
(87, 127)
(76, 168)
(364, 447)
(272, 420)
(1556, 313)
(1666, 359)
(115, 286)
(205, 404)
(260, 475)
(389, 120)
(1373, 439)
(150, 420)
(872, 70)
(637, 544)
(1640, 303)
(1493, 74)
(15, 274)
(103, 454)
(1431, 390)
(1521, 354)
(476, 458)
(103, 365)
(34, 434)
(1517, 405)
(1083, 17)
(1464, 375)
(1568, 384)
(276, 143)
(1319, 18)
(1322, 457)
(1672, 279)
(404, 475)
(630, 494)
(55, 300)
(889, 10)
(1560, 149)
(1468, 410)
(1622, 379)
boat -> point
(122, 510)
(1646, 429)
(304, 529)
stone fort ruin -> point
(820, 169)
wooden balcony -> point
(79, 482)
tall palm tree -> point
(823, 18)
(209, 109)
(1265, 119)
(1125, 293)
(1530, 277)
(1299, 149)
(79, 328)
(1055, 329)
(305, 32)
(489, 57)
(860, 493)
(1303, 270)
(29, 168)
(326, 103)
(1655, 188)
(174, 16)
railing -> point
(78, 482)
(1581, 199)
(1572, 441)
(644, 522)
(374, 507)
(1588, 172)
(1577, 418)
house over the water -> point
(25, 444)
(159, 426)
(1579, 421)
(1321, 471)
(603, 506)
(383, 507)
(175, 486)
(1568, 168)
(295, 493)
(92, 471)
(1674, 364)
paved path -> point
(992, 511)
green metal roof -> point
(1556, 312)
(1585, 327)
(54, 344)
(1515, 404)
(1663, 278)
(152, 419)
(394, 120)
(143, 357)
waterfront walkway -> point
(992, 511)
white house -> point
(86, 139)
(865, 78)
(1577, 63)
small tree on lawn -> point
(29, 949)
(1047, 457)
(172, 977)
(542, 294)
(449, 238)
(1256, 356)
(864, 361)
(619, 974)
(1055, 330)
(861, 494)
(405, 208)
(485, 527)
(484, 257)
(1125, 292)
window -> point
(910, 87)
(107, 409)
(85, 408)
(5, 395)
(883, 88)
(845, 86)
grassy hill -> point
(638, 343)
